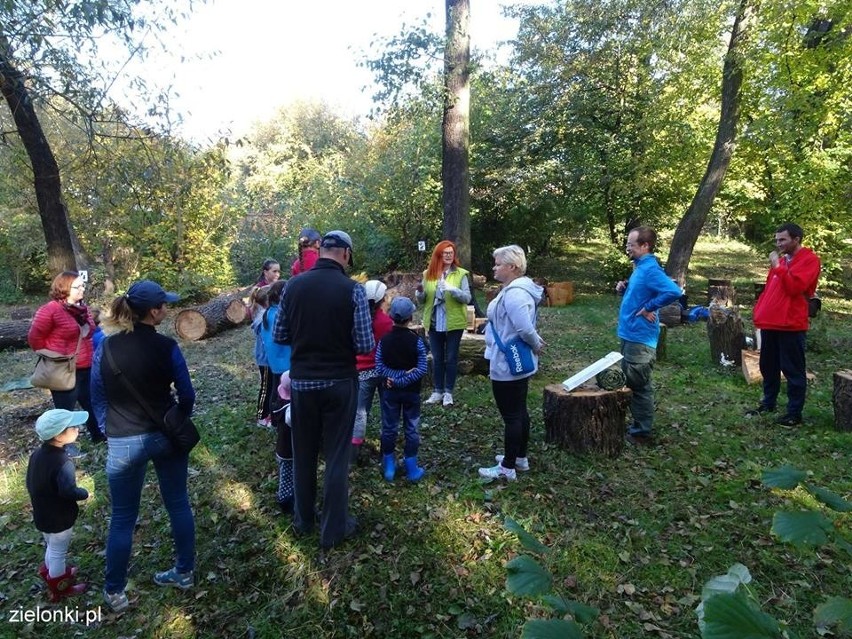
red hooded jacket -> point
(783, 304)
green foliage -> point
(526, 577)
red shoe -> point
(64, 586)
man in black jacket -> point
(325, 318)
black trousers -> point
(323, 418)
(511, 398)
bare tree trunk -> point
(455, 174)
(51, 207)
(693, 220)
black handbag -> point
(175, 424)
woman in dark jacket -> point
(152, 364)
(58, 326)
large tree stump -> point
(843, 400)
(217, 315)
(726, 334)
(14, 334)
(584, 421)
(671, 315)
(721, 293)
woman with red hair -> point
(445, 294)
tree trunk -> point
(726, 335)
(217, 315)
(14, 334)
(843, 400)
(693, 220)
(455, 174)
(585, 421)
(48, 189)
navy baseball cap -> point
(146, 294)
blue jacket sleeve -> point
(664, 289)
(182, 382)
(96, 389)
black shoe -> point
(286, 505)
(762, 409)
(639, 439)
(351, 531)
(789, 420)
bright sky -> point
(273, 52)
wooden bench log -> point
(842, 397)
(220, 313)
(584, 420)
(14, 334)
(726, 335)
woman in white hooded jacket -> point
(512, 314)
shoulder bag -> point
(56, 371)
(517, 352)
(177, 426)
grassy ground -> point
(636, 536)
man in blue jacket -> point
(648, 290)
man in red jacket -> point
(781, 314)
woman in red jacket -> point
(57, 326)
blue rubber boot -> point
(414, 472)
(389, 466)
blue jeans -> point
(445, 359)
(366, 389)
(637, 365)
(127, 461)
(405, 403)
(783, 352)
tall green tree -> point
(690, 225)
(455, 172)
(49, 52)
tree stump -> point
(559, 293)
(671, 315)
(472, 355)
(217, 315)
(584, 421)
(843, 401)
(726, 334)
(14, 334)
(721, 293)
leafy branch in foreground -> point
(528, 578)
(728, 608)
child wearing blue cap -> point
(54, 494)
(401, 360)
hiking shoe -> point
(521, 463)
(434, 398)
(761, 409)
(116, 601)
(171, 577)
(448, 399)
(639, 439)
(789, 420)
(498, 472)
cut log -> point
(586, 421)
(217, 315)
(21, 313)
(560, 293)
(721, 293)
(472, 355)
(751, 366)
(14, 334)
(726, 334)
(843, 401)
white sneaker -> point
(448, 399)
(434, 398)
(498, 472)
(521, 463)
